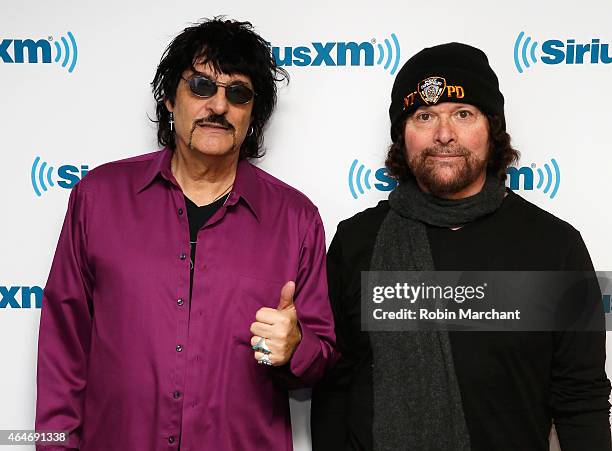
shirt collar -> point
(247, 185)
(160, 165)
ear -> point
(169, 105)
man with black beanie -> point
(439, 390)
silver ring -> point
(265, 360)
(261, 346)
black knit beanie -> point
(451, 72)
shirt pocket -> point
(253, 294)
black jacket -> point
(513, 384)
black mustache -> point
(214, 119)
(441, 152)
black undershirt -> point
(198, 216)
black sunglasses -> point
(236, 93)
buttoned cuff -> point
(305, 353)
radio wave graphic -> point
(38, 175)
(552, 180)
(606, 303)
(358, 179)
(392, 54)
(69, 51)
(520, 52)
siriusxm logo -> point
(606, 298)
(555, 51)
(548, 180)
(365, 53)
(526, 178)
(42, 176)
(21, 51)
(358, 179)
(21, 297)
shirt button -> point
(183, 256)
(179, 348)
(171, 439)
(180, 212)
(176, 394)
(180, 302)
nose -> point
(445, 132)
(218, 103)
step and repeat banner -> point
(75, 83)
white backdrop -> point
(91, 106)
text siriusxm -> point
(570, 52)
(558, 51)
(21, 297)
(385, 53)
(44, 176)
(63, 51)
(545, 178)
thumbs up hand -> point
(286, 297)
(279, 328)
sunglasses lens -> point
(239, 94)
(202, 86)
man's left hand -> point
(279, 327)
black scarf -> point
(417, 403)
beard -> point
(442, 178)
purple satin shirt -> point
(122, 362)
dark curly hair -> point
(501, 152)
(231, 47)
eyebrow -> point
(458, 106)
(421, 109)
(231, 82)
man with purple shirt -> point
(188, 290)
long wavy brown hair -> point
(501, 152)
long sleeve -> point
(125, 363)
(341, 409)
(316, 350)
(330, 397)
(579, 387)
(65, 328)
